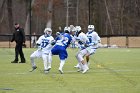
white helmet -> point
(57, 33)
(90, 28)
(78, 28)
(48, 31)
(67, 29)
(73, 29)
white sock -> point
(49, 64)
(45, 65)
(49, 60)
(78, 65)
(44, 57)
(62, 62)
(85, 66)
(32, 62)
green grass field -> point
(111, 71)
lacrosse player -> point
(45, 44)
(90, 34)
(82, 42)
(61, 46)
(90, 49)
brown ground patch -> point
(122, 41)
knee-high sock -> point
(45, 61)
(32, 61)
(49, 60)
(62, 62)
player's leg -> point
(81, 59)
(49, 60)
(32, 58)
(62, 62)
(62, 55)
(78, 65)
(91, 52)
(87, 59)
(44, 57)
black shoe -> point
(33, 68)
(22, 62)
(14, 61)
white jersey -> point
(94, 39)
(73, 38)
(45, 43)
(82, 40)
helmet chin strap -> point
(90, 31)
(46, 35)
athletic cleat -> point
(79, 70)
(33, 68)
(77, 66)
(22, 62)
(46, 71)
(61, 72)
(14, 61)
(85, 70)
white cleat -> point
(61, 71)
(77, 66)
(46, 72)
(85, 70)
(33, 68)
(49, 68)
(79, 70)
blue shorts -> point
(61, 51)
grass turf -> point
(111, 71)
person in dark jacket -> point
(19, 38)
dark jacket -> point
(18, 35)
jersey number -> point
(44, 44)
(90, 39)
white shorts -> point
(88, 51)
(39, 53)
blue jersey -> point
(58, 37)
(65, 40)
(61, 45)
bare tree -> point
(10, 14)
(27, 24)
(2, 12)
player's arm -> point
(52, 41)
(99, 39)
(38, 43)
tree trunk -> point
(10, 15)
(49, 13)
(2, 12)
(27, 23)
